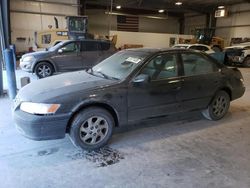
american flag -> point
(127, 23)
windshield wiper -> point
(106, 76)
(91, 71)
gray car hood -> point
(37, 54)
(55, 86)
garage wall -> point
(99, 23)
(237, 24)
(30, 16)
(148, 40)
(170, 25)
(194, 21)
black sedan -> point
(130, 86)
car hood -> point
(37, 54)
(53, 87)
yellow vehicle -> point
(48, 38)
(205, 36)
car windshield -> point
(120, 65)
(57, 46)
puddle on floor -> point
(47, 152)
(103, 157)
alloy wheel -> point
(219, 106)
(44, 71)
(93, 130)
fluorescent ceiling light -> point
(118, 7)
(221, 7)
(178, 3)
(161, 11)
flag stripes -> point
(127, 23)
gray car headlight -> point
(28, 58)
(39, 108)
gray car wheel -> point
(44, 69)
(218, 107)
(91, 128)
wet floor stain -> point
(49, 151)
(103, 157)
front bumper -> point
(26, 66)
(41, 127)
(236, 59)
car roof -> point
(196, 44)
(156, 50)
(97, 40)
(186, 45)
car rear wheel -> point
(218, 107)
(44, 69)
(91, 128)
(246, 62)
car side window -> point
(195, 64)
(104, 46)
(161, 67)
(71, 47)
(89, 46)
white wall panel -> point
(148, 40)
(25, 5)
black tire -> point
(218, 107)
(246, 62)
(44, 69)
(91, 128)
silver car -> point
(70, 55)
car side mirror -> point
(60, 51)
(141, 79)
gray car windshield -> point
(57, 46)
(119, 65)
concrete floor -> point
(185, 151)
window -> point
(89, 46)
(121, 64)
(161, 67)
(46, 39)
(71, 47)
(195, 64)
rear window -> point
(46, 39)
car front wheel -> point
(218, 107)
(44, 69)
(91, 128)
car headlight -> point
(28, 58)
(39, 108)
